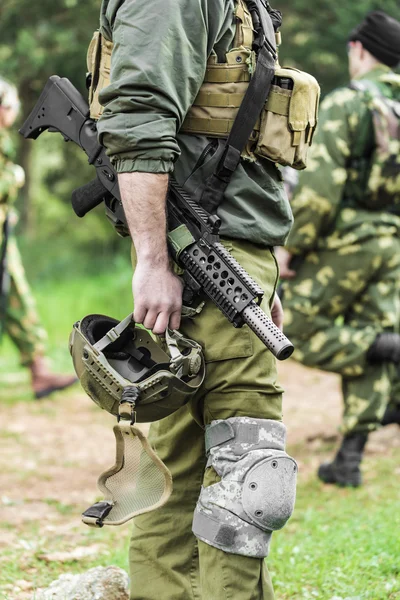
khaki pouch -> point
(289, 118)
(99, 66)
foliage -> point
(315, 34)
(39, 39)
(341, 544)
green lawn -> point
(339, 544)
(342, 543)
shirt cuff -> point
(142, 165)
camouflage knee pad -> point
(257, 490)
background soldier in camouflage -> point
(342, 303)
(18, 312)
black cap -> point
(380, 35)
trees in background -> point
(39, 39)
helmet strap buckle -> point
(126, 410)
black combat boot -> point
(385, 348)
(392, 415)
(344, 470)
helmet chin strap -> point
(139, 482)
(180, 364)
(187, 364)
(113, 334)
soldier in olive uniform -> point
(18, 312)
(158, 64)
(342, 303)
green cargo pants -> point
(334, 308)
(166, 561)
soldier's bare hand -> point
(284, 257)
(157, 294)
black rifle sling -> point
(246, 118)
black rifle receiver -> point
(208, 266)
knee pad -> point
(257, 490)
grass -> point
(339, 545)
(342, 544)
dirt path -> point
(52, 452)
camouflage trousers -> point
(21, 321)
(166, 559)
(336, 305)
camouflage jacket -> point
(322, 219)
(11, 175)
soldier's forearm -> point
(143, 197)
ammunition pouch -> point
(289, 118)
(287, 123)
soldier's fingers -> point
(161, 323)
(150, 319)
(139, 313)
(175, 320)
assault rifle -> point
(193, 237)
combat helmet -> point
(125, 372)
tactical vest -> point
(284, 130)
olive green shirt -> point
(324, 215)
(158, 65)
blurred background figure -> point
(342, 302)
(18, 316)
(290, 180)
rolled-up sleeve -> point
(157, 67)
